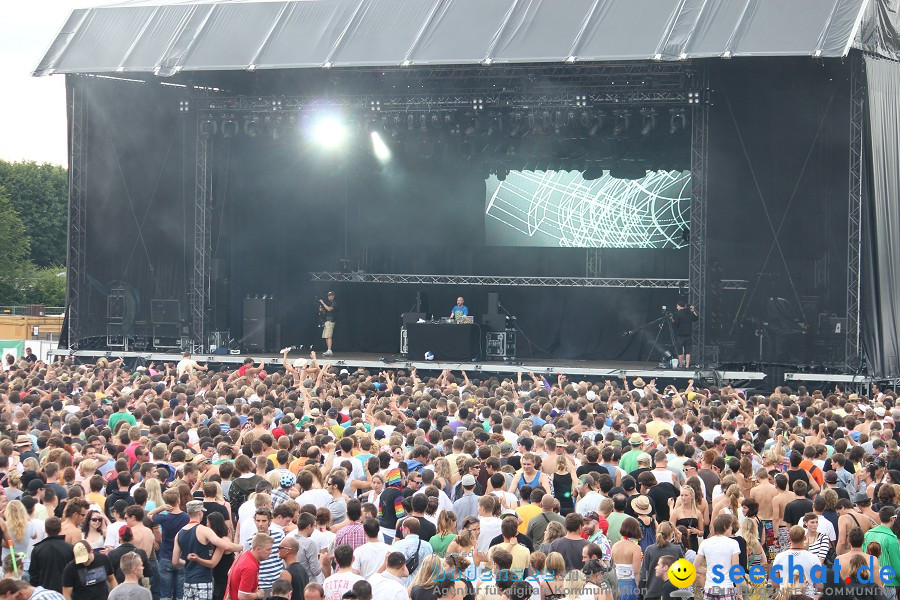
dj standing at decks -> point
(327, 312)
(460, 310)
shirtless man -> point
(855, 541)
(864, 507)
(848, 519)
(75, 514)
(143, 536)
(763, 494)
(781, 500)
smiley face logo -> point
(682, 573)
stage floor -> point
(370, 361)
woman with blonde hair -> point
(565, 485)
(731, 505)
(446, 533)
(154, 493)
(18, 531)
(554, 531)
(687, 514)
(756, 556)
(426, 578)
(443, 476)
(553, 579)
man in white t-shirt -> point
(369, 557)
(188, 365)
(387, 585)
(796, 556)
(718, 553)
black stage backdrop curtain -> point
(139, 179)
(880, 278)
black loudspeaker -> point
(494, 322)
(422, 302)
(165, 311)
(259, 326)
(493, 303)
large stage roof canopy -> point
(167, 38)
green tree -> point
(39, 193)
(15, 249)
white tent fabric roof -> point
(168, 37)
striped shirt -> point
(271, 568)
(45, 594)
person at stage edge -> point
(327, 312)
(460, 310)
(683, 322)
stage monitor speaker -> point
(494, 322)
(410, 318)
(493, 303)
(165, 311)
(422, 302)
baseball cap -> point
(82, 554)
(468, 480)
(591, 516)
(194, 506)
(831, 477)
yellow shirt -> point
(654, 427)
(526, 514)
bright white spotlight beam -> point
(382, 152)
(329, 132)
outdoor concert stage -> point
(590, 162)
(594, 370)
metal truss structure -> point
(494, 88)
(697, 252)
(858, 93)
(200, 276)
(592, 263)
(77, 233)
(501, 280)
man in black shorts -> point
(683, 323)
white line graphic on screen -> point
(560, 208)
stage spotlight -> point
(229, 127)
(251, 126)
(329, 132)
(382, 152)
(677, 120)
(209, 127)
(623, 119)
(649, 120)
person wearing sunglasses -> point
(94, 529)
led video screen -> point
(562, 209)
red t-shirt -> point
(244, 576)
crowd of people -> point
(310, 481)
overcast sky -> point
(32, 109)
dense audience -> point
(309, 481)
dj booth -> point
(493, 339)
(446, 341)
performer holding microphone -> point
(327, 312)
(683, 322)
